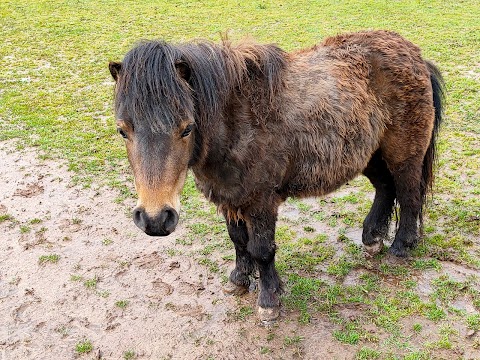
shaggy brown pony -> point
(257, 125)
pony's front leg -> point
(261, 246)
(240, 276)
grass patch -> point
(265, 350)
(473, 322)
(91, 283)
(242, 313)
(103, 293)
(366, 353)
(447, 289)
(5, 217)
(122, 304)
(303, 254)
(284, 234)
(210, 264)
(417, 328)
(292, 340)
(51, 258)
(349, 334)
(107, 241)
(25, 229)
(300, 290)
(434, 313)
(424, 264)
(129, 355)
(84, 347)
(74, 277)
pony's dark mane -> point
(151, 90)
(148, 84)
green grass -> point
(57, 97)
(103, 293)
(348, 335)
(292, 340)
(418, 355)
(434, 312)
(25, 229)
(424, 264)
(242, 313)
(447, 289)
(473, 322)
(107, 241)
(417, 328)
(74, 277)
(91, 283)
(129, 354)
(299, 295)
(5, 217)
(51, 258)
(367, 354)
(210, 264)
(84, 347)
(122, 304)
(265, 350)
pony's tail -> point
(438, 87)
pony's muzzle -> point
(161, 224)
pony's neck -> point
(219, 72)
(237, 82)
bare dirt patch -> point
(30, 190)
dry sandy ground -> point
(176, 309)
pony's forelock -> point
(149, 90)
(153, 94)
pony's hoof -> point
(233, 289)
(400, 252)
(374, 249)
(268, 315)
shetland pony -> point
(257, 124)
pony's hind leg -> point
(240, 276)
(376, 224)
(407, 180)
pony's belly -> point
(305, 189)
(317, 180)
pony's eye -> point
(122, 133)
(187, 131)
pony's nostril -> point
(170, 219)
(138, 218)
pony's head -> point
(169, 100)
(155, 115)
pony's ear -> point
(114, 68)
(183, 70)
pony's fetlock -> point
(240, 279)
(233, 289)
